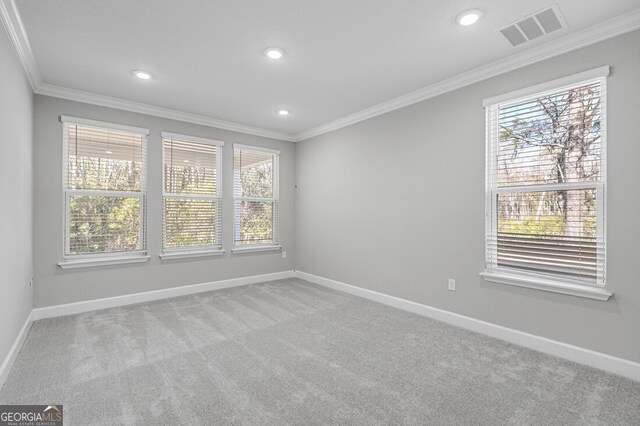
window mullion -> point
(256, 199)
(104, 193)
(184, 196)
(548, 187)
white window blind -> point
(546, 184)
(255, 188)
(192, 193)
(104, 182)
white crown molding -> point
(620, 25)
(123, 104)
(606, 30)
(15, 29)
(10, 16)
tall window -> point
(192, 194)
(255, 189)
(546, 183)
(104, 180)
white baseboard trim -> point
(130, 299)
(15, 350)
(611, 364)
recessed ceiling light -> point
(108, 152)
(186, 161)
(143, 75)
(274, 52)
(469, 17)
(284, 112)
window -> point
(192, 214)
(104, 181)
(255, 188)
(546, 185)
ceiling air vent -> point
(533, 26)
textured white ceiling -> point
(342, 56)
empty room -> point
(369, 212)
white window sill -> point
(545, 284)
(189, 254)
(252, 249)
(101, 261)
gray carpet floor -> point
(291, 352)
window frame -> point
(521, 278)
(70, 260)
(275, 199)
(199, 251)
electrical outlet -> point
(284, 254)
(451, 285)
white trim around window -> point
(185, 254)
(527, 273)
(197, 149)
(244, 196)
(103, 124)
(87, 262)
(93, 140)
(188, 138)
(256, 148)
(549, 86)
(551, 285)
(256, 248)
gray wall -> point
(56, 286)
(16, 187)
(395, 204)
